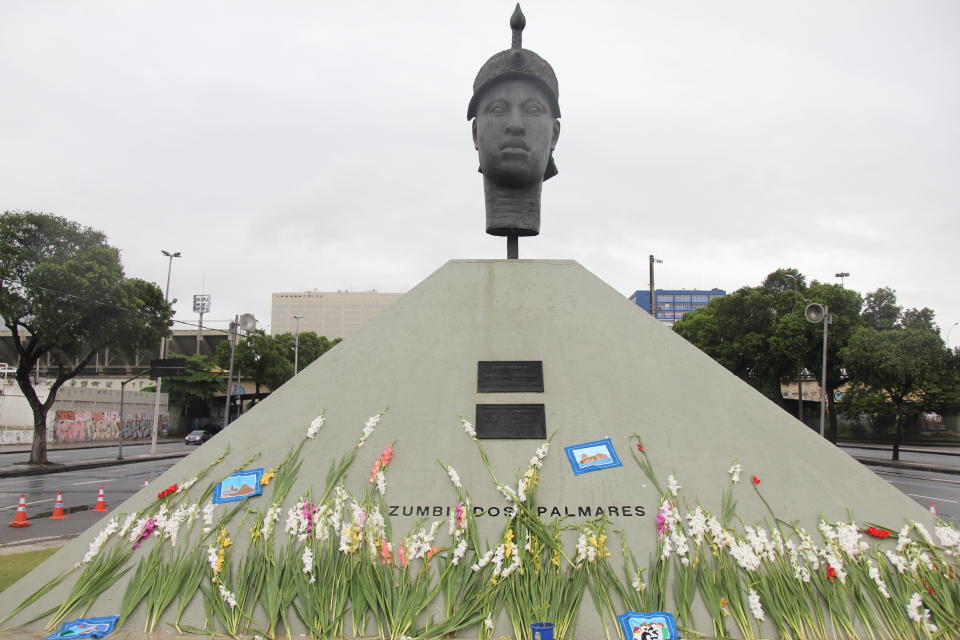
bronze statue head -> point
(515, 113)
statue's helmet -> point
(517, 62)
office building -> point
(672, 304)
(334, 314)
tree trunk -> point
(38, 450)
(896, 435)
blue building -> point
(673, 303)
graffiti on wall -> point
(82, 426)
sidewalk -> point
(109, 459)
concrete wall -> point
(81, 415)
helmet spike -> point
(517, 23)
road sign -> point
(166, 367)
(201, 303)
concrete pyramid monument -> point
(522, 349)
(535, 418)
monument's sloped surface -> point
(609, 371)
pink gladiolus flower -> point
(386, 552)
(461, 515)
(148, 528)
(403, 557)
(308, 515)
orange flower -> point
(386, 552)
(381, 462)
(755, 480)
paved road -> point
(79, 497)
(905, 456)
(77, 455)
(942, 490)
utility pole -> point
(796, 296)
(163, 350)
(815, 313)
(296, 346)
(653, 292)
(233, 348)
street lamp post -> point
(296, 346)
(653, 292)
(841, 275)
(817, 313)
(163, 349)
(947, 341)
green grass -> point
(16, 565)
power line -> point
(110, 305)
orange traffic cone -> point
(58, 508)
(20, 519)
(146, 481)
(101, 505)
(933, 508)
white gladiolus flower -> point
(918, 614)
(513, 566)
(186, 485)
(269, 520)
(208, 516)
(212, 553)
(949, 539)
(315, 425)
(755, 608)
(482, 562)
(874, 574)
(697, 524)
(488, 623)
(497, 559)
(468, 428)
(454, 477)
(903, 538)
(228, 597)
(744, 555)
(638, 585)
(896, 560)
(849, 539)
(129, 522)
(667, 548)
(381, 483)
(137, 530)
(368, 428)
(459, 551)
(112, 527)
(307, 560)
(923, 532)
(673, 485)
(734, 472)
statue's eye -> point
(534, 108)
(497, 108)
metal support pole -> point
(123, 387)
(200, 333)
(163, 350)
(513, 247)
(823, 378)
(296, 346)
(233, 347)
(653, 291)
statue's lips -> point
(515, 146)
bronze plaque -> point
(511, 421)
(510, 376)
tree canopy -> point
(64, 296)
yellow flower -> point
(555, 560)
(265, 480)
(220, 557)
(508, 545)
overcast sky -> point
(288, 146)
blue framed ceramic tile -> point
(656, 625)
(86, 628)
(592, 456)
(240, 485)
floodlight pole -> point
(653, 292)
(296, 346)
(163, 350)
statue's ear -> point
(476, 144)
(556, 135)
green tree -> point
(259, 357)
(312, 346)
(194, 390)
(900, 362)
(63, 295)
(755, 332)
(880, 309)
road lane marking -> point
(77, 484)
(28, 503)
(917, 495)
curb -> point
(883, 447)
(89, 464)
(899, 464)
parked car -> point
(197, 437)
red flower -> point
(755, 480)
(639, 447)
(831, 573)
(166, 492)
(877, 533)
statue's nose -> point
(515, 124)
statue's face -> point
(514, 133)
